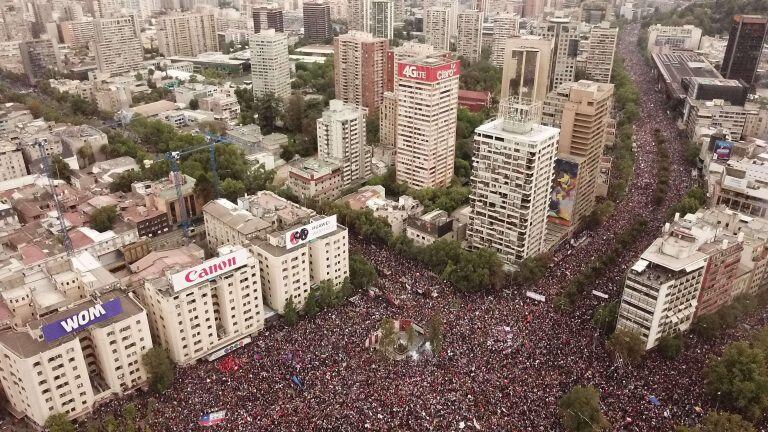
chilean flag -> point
(213, 418)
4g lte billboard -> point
(428, 73)
(307, 233)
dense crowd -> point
(506, 359)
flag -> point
(297, 381)
(213, 418)
(654, 401)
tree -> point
(59, 423)
(159, 366)
(708, 326)
(60, 170)
(232, 189)
(310, 306)
(361, 273)
(293, 115)
(739, 379)
(85, 153)
(372, 129)
(290, 313)
(627, 345)
(462, 168)
(268, 108)
(103, 218)
(326, 294)
(123, 181)
(258, 178)
(435, 332)
(388, 336)
(194, 104)
(605, 317)
(130, 413)
(532, 269)
(720, 422)
(580, 410)
(670, 346)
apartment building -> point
(187, 34)
(599, 57)
(270, 70)
(317, 21)
(702, 116)
(341, 139)
(77, 34)
(118, 45)
(505, 26)
(388, 120)
(360, 62)
(565, 37)
(427, 91)
(512, 173)
(687, 37)
(316, 178)
(437, 27)
(39, 57)
(11, 161)
(469, 41)
(382, 17)
(267, 17)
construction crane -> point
(40, 144)
(173, 158)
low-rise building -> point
(223, 107)
(373, 198)
(162, 195)
(11, 161)
(430, 227)
(315, 178)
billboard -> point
(209, 269)
(562, 200)
(229, 348)
(81, 320)
(307, 233)
(723, 150)
(428, 73)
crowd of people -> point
(505, 361)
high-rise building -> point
(745, 45)
(685, 37)
(72, 12)
(399, 7)
(595, 12)
(267, 17)
(339, 10)
(381, 20)
(581, 110)
(317, 21)
(77, 34)
(437, 27)
(360, 62)
(512, 169)
(39, 56)
(388, 120)
(427, 98)
(602, 47)
(533, 8)
(341, 138)
(118, 45)
(504, 27)
(565, 37)
(405, 51)
(359, 15)
(469, 42)
(270, 70)
(187, 34)
(526, 69)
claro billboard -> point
(428, 73)
(307, 233)
(209, 269)
(81, 320)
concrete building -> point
(267, 17)
(270, 70)
(388, 120)
(70, 339)
(428, 228)
(39, 56)
(427, 98)
(118, 45)
(687, 37)
(374, 198)
(317, 21)
(565, 37)
(527, 61)
(187, 34)
(745, 46)
(359, 15)
(77, 34)
(741, 185)
(469, 34)
(11, 162)
(224, 108)
(197, 307)
(512, 174)
(360, 62)
(315, 178)
(382, 17)
(716, 114)
(437, 27)
(162, 195)
(505, 26)
(602, 47)
(341, 139)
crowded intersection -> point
(505, 361)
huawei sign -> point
(428, 73)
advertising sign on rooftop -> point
(428, 73)
(209, 269)
(307, 233)
(81, 320)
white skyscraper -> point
(381, 18)
(469, 40)
(511, 179)
(602, 47)
(341, 138)
(118, 44)
(504, 27)
(270, 70)
(437, 27)
(565, 35)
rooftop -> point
(676, 65)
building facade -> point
(565, 37)
(118, 45)
(469, 41)
(187, 34)
(341, 139)
(360, 62)
(267, 17)
(685, 37)
(745, 46)
(602, 47)
(505, 26)
(437, 27)
(317, 21)
(39, 57)
(526, 69)
(270, 70)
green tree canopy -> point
(627, 345)
(720, 422)
(59, 423)
(580, 410)
(739, 379)
(159, 366)
(361, 273)
(290, 313)
(103, 218)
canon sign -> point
(307, 233)
(428, 73)
(209, 269)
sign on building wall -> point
(209, 269)
(428, 73)
(82, 320)
(229, 348)
(307, 233)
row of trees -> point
(626, 97)
(712, 18)
(662, 168)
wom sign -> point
(82, 320)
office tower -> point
(527, 62)
(39, 56)
(267, 17)
(469, 41)
(565, 36)
(360, 62)
(341, 139)
(745, 45)
(187, 34)
(107, 9)
(270, 70)
(581, 110)
(504, 27)
(359, 15)
(118, 45)
(533, 8)
(427, 98)
(403, 52)
(381, 19)
(602, 47)
(686, 37)
(512, 170)
(317, 21)
(437, 27)
(77, 34)
(388, 120)
(594, 12)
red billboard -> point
(428, 73)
